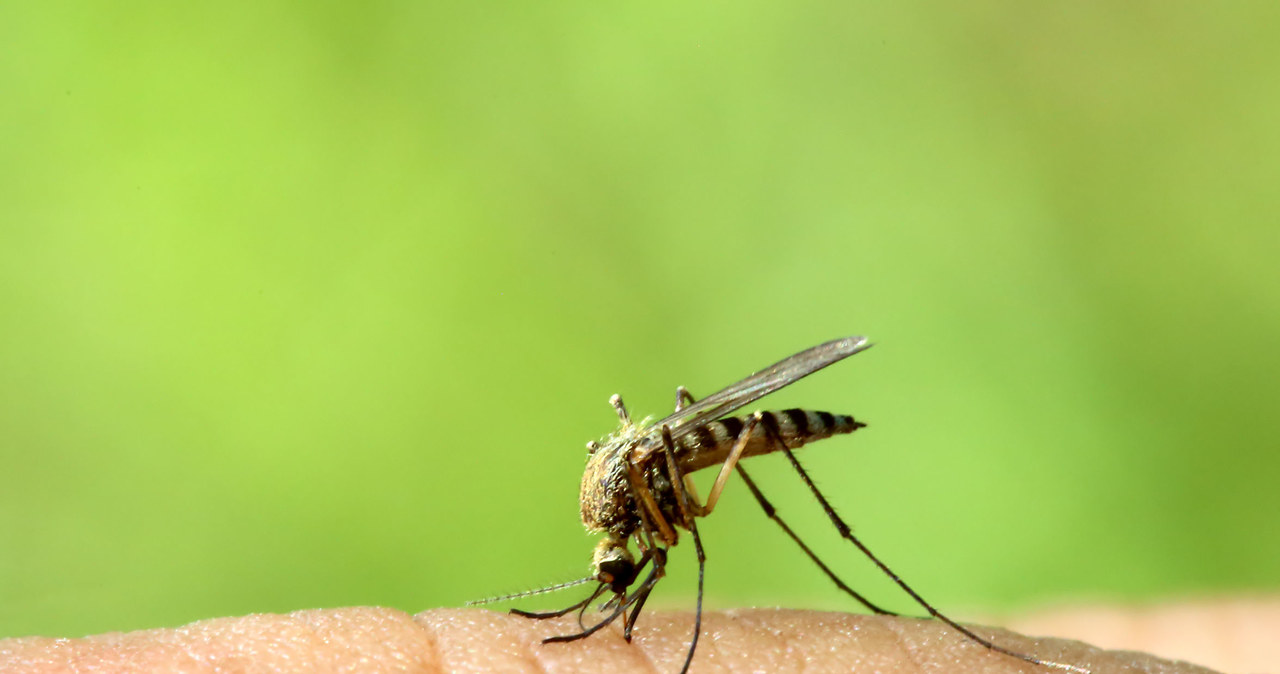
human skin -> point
(472, 640)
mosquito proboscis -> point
(636, 489)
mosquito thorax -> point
(612, 564)
(605, 496)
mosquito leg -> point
(726, 469)
(847, 534)
(651, 551)
(683, 397)
(543, 615)
(686, 508)
(630, 620)
(645, 588)
(587, 604)
(697, 615)
(590, 630)
(643, 538)
(659, 560)
(772, 514)
(650, 514)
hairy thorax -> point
(607, 499)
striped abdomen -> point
(710, 444)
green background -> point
(315, 304)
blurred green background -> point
(315, 304)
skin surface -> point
(473, 640)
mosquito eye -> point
(618, 573)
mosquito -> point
(636, 489)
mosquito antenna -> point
(530, 593)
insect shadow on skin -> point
(636, 489)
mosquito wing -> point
(762, 383)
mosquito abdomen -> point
(711, 443)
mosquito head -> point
(613, 564)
